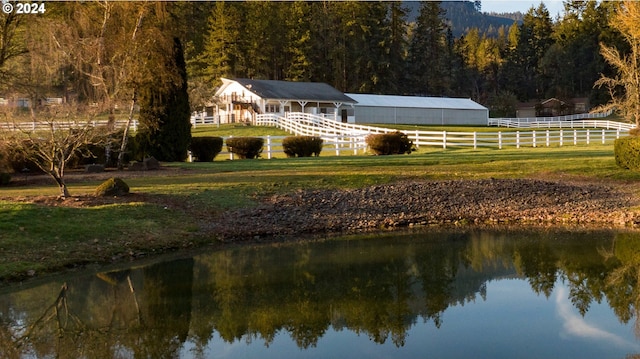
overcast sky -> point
(555, 7)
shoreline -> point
(402, 205)
(410, 204)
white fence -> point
(61, 125)
(347, 138)
(583, 120)
(352, 136)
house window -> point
(272, 108)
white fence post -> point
(268, 147)
(588, 135)
(547, 138)
(475, 140)
(517, 139)
(499, 139)
(575, 137)
(444, 139)
(603, 136)
(561, 137)
(533, 138)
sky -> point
(555, 7)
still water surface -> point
(436, 294)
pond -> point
(465, 293)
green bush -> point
(205, 149)
(627, 152)
(302, 146)
(245, 147)
(389, 143)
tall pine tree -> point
(428, 46)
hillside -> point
(462, 16)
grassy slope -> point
(41, 238)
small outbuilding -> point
(414, 110)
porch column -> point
(335, 114)
(283, 104)
(303, 104)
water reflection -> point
(382, 288)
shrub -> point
(5, 178)
(205, 149)
(19, 163)
(627, 152)
(112, 187)
(389, 143)
(245, 147)
(302, 146)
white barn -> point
(414, 110)
(239, 100)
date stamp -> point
(23, 7)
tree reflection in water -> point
(378, 286)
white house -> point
(414, 110)
(238, 100)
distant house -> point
(238, 100)
(553, 107)
(414, 110)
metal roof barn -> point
(414, 110)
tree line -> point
(105, 52)
(371, 47)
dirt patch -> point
(416, 203)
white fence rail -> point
(61, 125)
(583, 120)
(352, 136)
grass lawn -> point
(170, 208)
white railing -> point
(582, 120)
(598, 132)
(609, 125)
(60, 125)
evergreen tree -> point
(222, 51)
(164, 113)
(298, 52)
(523, 75)
(426, 63)
(397, 47)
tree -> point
(426, 62)
(625, 87)
(522, 74)
(11, 46)
(221, 48)
(165, 111)
(64, 136)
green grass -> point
(42, 238)
(48, 238)
(236, 130)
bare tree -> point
(625, 88)
(62, 134)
